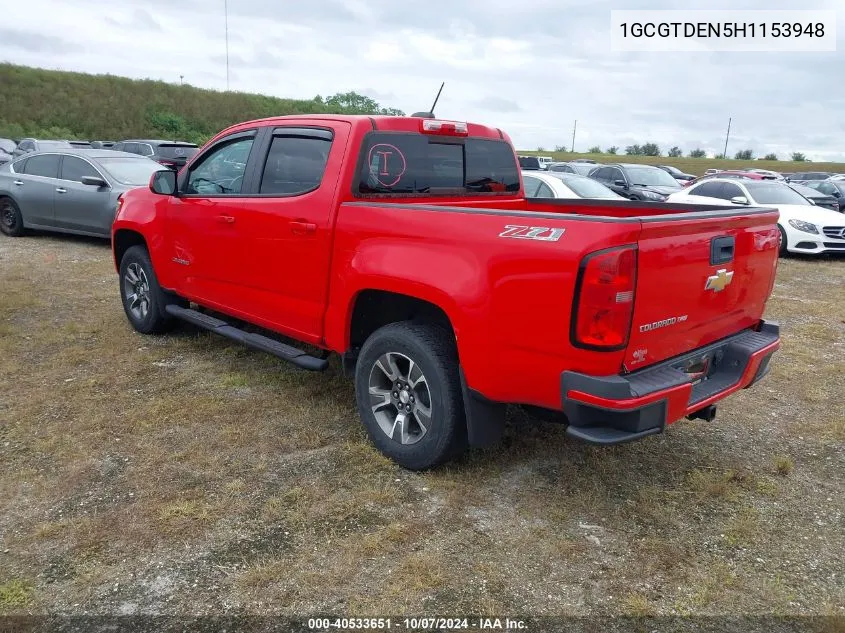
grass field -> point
(698, 166)
(185, 474)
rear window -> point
(409, 164)
(177, 151)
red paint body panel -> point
(509, 301)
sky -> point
(531, 68)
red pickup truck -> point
(406, 245)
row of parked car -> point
(173, 154)
(75, 186)
(811, 204)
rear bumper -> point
(616, 409)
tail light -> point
(446, 128)
(604, 299)
(166, 163)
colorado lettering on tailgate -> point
(648, 327)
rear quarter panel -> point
(509, 300)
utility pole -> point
(574, 127)
(226, 20)
(727, 136)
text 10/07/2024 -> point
(417, 624)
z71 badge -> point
(542, 233)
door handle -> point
(61, 190)
(225, 219)
(299, 227)
(19, 182)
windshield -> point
(587, 187)
(774, 193)
(651, 177)
(407, 164)
(176, 151)
(130, 171)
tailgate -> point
(700, 277)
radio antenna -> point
(430, 113)
(437, 98)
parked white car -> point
(545, 161)
(804, 227)
(563, 185)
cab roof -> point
(375, 122)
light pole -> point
(226, 22)
(727, 136)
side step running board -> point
(256, 341)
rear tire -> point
(409, 394)
(143, 299)
(11, 220)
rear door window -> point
(418, 164)
(707, 189)
(295, 164)
(46, 165)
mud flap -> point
(485, 419)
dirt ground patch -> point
(186, 474)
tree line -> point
(67, 105)
(653, 149)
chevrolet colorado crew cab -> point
(406, 245)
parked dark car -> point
(102, 144)
(834, 188)
(582, 169)
(172, 154)
(823, 200)
(529, 163)
(803, 176)
(27, 145)
(70, 190)
(676, 173)
(636, 182)
(7, 148)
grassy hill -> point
(56, 104)
(697, 166)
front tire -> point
(11, 220)
(143, 299)
(782, 243)
(409, 394)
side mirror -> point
(163, 182)
(739, 200)
(619, 183)
(94, 181)
(836, 193)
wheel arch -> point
(122, 241)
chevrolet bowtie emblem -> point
(717, 282)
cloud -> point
(38, 43)
(530, 69)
